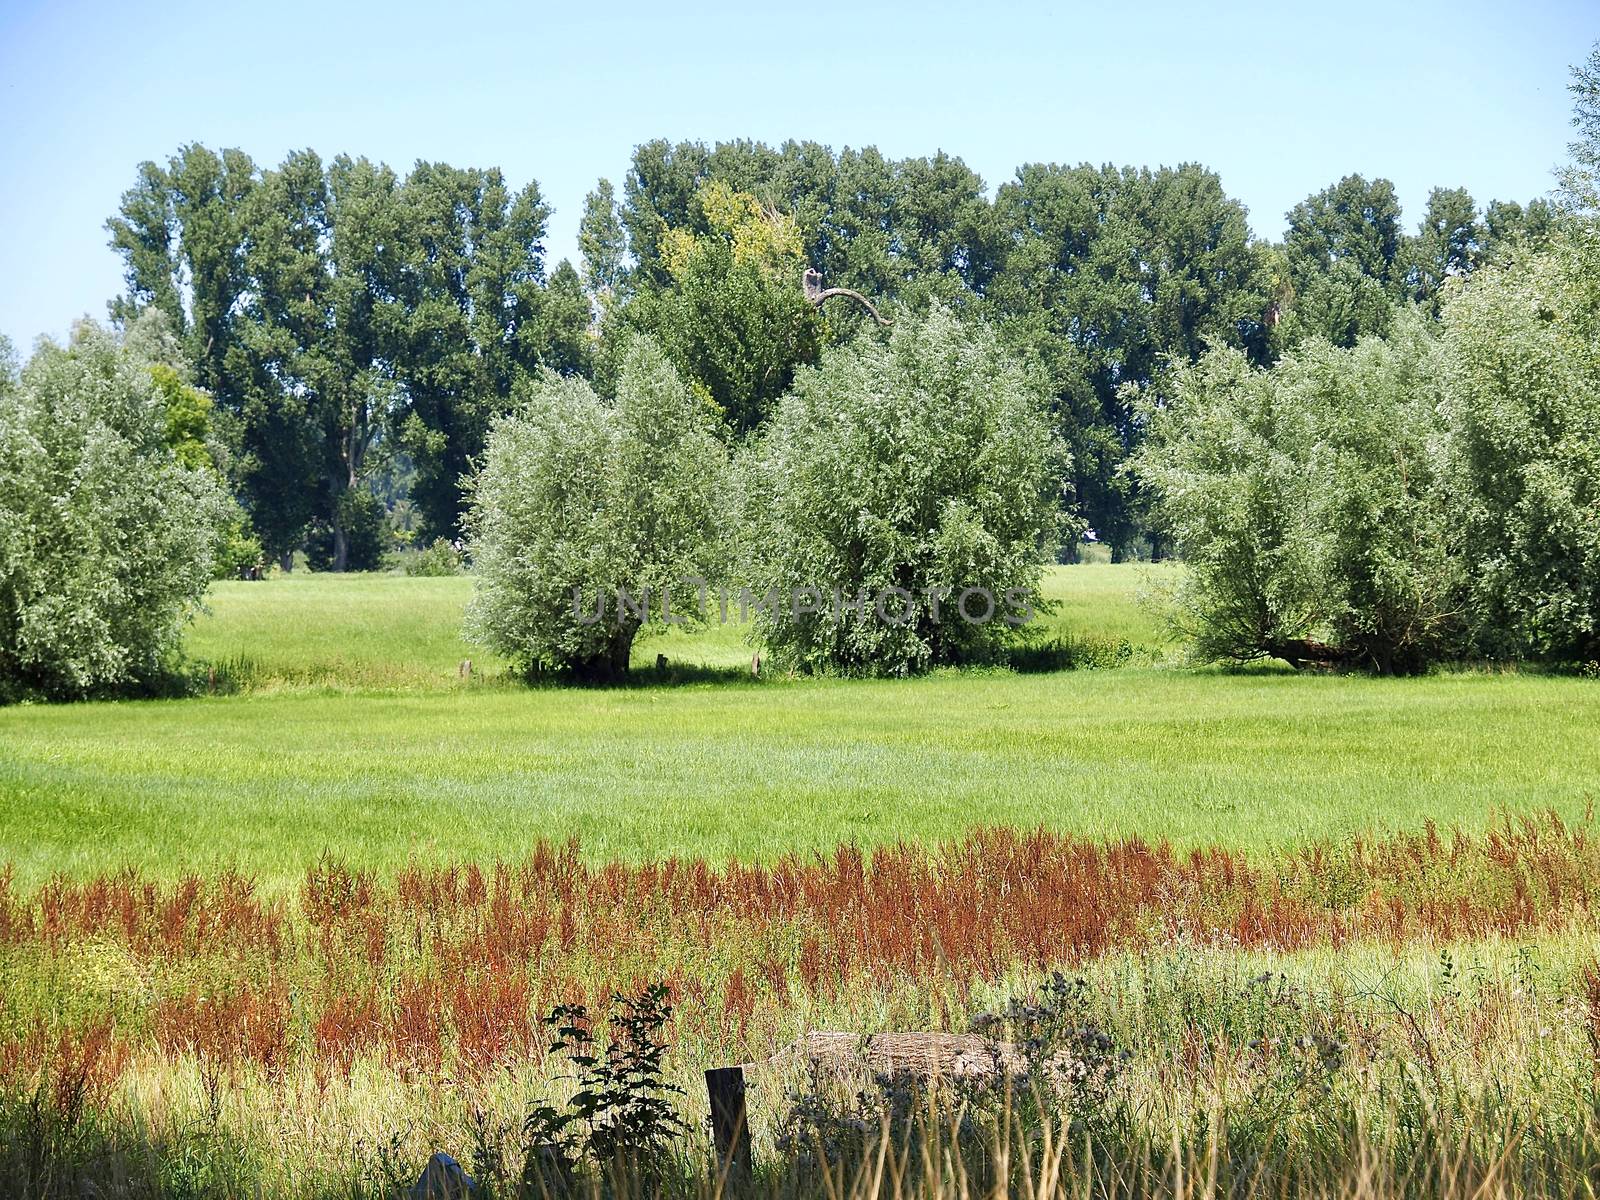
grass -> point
(751, 770)
(354, 631)
(194, 1041)
(356, 735)
(392, 632)
(1291, 1011)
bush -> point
(1406, 501)
(440, 558)
(926, 465)
(579, 497)
(1311, 505)
(1524, 414)
(106, 538)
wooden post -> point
(730, 1123)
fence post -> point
(730, 1123)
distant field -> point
(392, 632)
(1252, 760)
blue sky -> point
(1279, 102)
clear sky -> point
(1280, 101)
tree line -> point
(1372, 448)
(356, 326)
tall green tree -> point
(731, 314)
(1449, 244)
(1112, 277)
(1344, 255)
(334, 309)
(475, 313)
(1579, 178)
(897, 230)
(603, 242)
(1507, 224)
(181, 233)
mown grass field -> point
(360, 740)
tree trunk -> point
(1300, 653)
(341, 543)
(610, 664)
(286, 561)
(1158, 548)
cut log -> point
(933, 1055)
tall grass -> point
(1352, 1012)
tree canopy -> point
(357, 328)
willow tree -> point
(580, 498)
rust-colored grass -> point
(449, 967)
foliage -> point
(1095, 314)
(1580, 178)
(1350, 221)
(1310, 504)
(579, 497)
(603, 243)
(925, 465)
(360, 532)
(106, 537)
(326, 306)
(1523, 407)
(189, 433)
(623, 1108)
(438, 559)
(729, 313)
(1450, 244)
(334, 308)
(188, 417)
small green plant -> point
(623, 1110)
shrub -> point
(1523, 403)
(926, 465)
(1311, 505)
(579, 497)
(440, 558)
(106, 538)
(624, 1110)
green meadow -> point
(393, 632)
(354, 735)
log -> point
(929, 1054)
